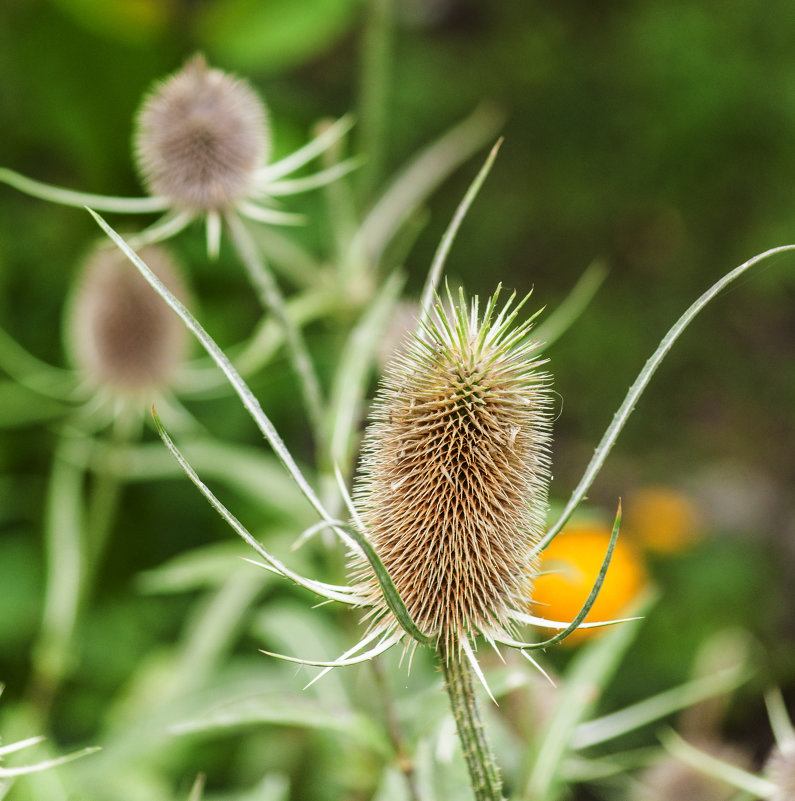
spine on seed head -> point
(455, 470)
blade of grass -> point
(446, 242)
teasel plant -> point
(124, 345)
(90, 465)
(202, 145)
(448, 513)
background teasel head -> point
(780, 770)
(453, 483)
(201, 135)
(120, 333)
(202, 145)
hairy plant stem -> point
(483, 772)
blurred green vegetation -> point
(657, 137)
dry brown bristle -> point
(453, 482)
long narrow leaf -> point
(591, 599)
(68, 197)
(706, 763)
(590, 671)
(350, 383)
(658, 706)
(326, 590)
(572, 306)
(440, 257)
(421, 177)
(251, 404)
(25, 770)
(388, 589)
(390, 593)
(641, 382)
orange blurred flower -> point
(661, 519)
(569, 568)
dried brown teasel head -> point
(452, 488)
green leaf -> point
(285, 709)
(639, 385)
(388, 589)
(658, 706)
(20, 406)
(252, 472)
(706, 763)
(597, 586)
(66, 562)
(572, 306)
(355, 365)
(579, 692)
(208, 566)
(271, 35)
(26, 770)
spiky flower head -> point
(780, 770)
(201, 134)
(121, 334)
(453, 483)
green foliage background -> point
(656, 136)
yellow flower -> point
(661, 519)
(569, 568)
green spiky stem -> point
(483, 772)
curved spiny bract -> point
(455, 468)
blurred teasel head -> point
(202, 144)
(120, 333)
(453, 483)
(201, 135)
(780, 771)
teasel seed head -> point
(780, 770)
(120, 333)
(452, 488)
(200, 136)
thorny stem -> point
(483, 772)
(403, 758)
